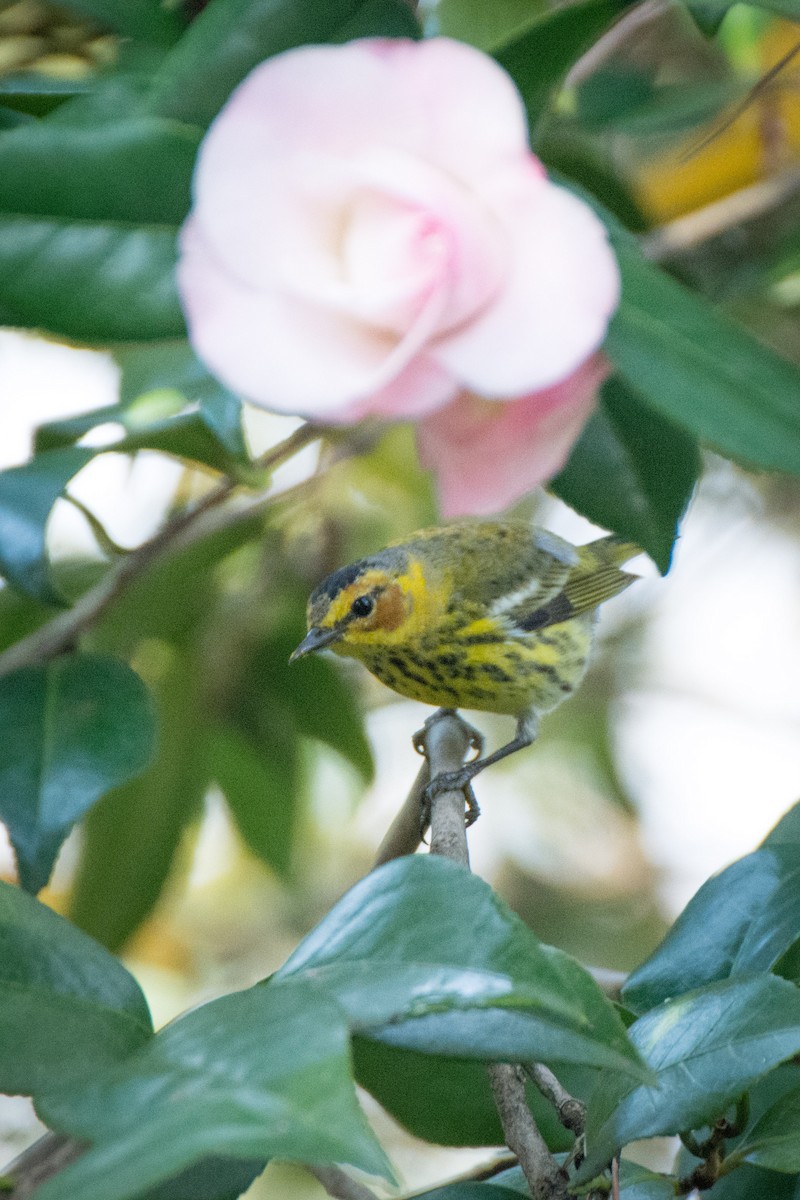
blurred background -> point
(272, 790)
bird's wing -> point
(526, 573)
(595, 578)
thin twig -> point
(339, 1184)
(405, 832)
(64, 631)
(47, 1156)
(571, 1112)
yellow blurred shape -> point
(679, 181)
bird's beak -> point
(315, 639)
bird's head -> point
(372, 603)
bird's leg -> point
(527, 729)
(476, 744)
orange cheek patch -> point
(391, 609)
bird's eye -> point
(362, 606)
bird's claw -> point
(476, 743)
(451, 781)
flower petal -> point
(562, 288)
(291, 356)
(486, 454)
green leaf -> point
(538, 58)
(697, 368)
(754, 1183)
(135, 170)
(447, 1101)
(69, 731)
(637, 1183)
(787, 831)
(405, 965)
(714, 10)
(742, 920)
(774, 1140)
(122, 872)
(485, 25)
(259, 1073)
(27, 495)
(261, 791)
(631, 471)
(67, 1008)
(93, 280)
(149, 20)
(230, 37)
(215, 1178)
(173, 365)
(706, 1048)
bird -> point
(496, 616)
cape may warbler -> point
(493, 616)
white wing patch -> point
(523, 595)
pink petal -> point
(486, 455)
(562, 288)
(294, 357)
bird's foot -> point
(418, 739)
(451, 781)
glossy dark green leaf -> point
(67, 1007)
(742, 920)
(132, 835)
(135, 170)
(485, 25)
(447, 1101)
(754, 1183)
(697, 368)
(637, 1183)
(631, 471)
(774, 1140)
(209, 1179)
(150, 20)
(259, 1073)
(260, 785)
(787, 831)
(27, 496)
(400, 958)
(69, 732)
(538, 57)
(706, 1047)
(230, 37)
(97, 281)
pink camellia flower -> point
(371, 234)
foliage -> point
(134, 682)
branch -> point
(571, 1112)
(405, 832)
(522, 1135)
(65, 630)
(337, 1183)
(47, 1156)
(447, 741)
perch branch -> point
(63, 632)
(447, 741)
